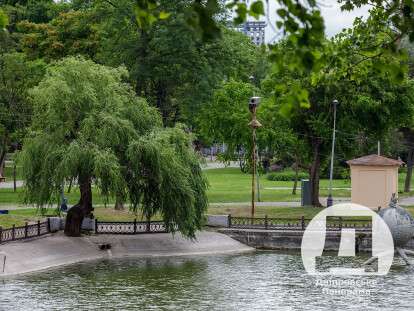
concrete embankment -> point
(292, 239)
(289, 239)
(57, 249)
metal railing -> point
(129, 227)
(267, 223)
(25, 232)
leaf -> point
(241, 11)
(257, 9)
(282, 13)
(4, 20)
(164, 15)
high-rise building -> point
(255, 30)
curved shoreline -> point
(57, 250)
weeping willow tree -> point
(89, 126)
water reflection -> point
(259, 281)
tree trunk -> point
(81, 210)
(314, 174)
(14, 176)
(119, 203)
(410, 159)
(162, 103)
(295, 183)
(70, 185)
(2, 161)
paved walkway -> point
(408, 201)
(213, 165)
(298, 189)
(9, 184)
(278, 204)
(57, 250)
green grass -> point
(8, 196)
(231, 185)
(284, 212)
(8, 172)
(276, 212)
(19, 218)
(226, 185)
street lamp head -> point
(335, 102)
(251, 78)
(254, 102)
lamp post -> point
(252, 81)
(254, 124)
(329, 201)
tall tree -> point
(225, 120)
(17, 75)
(367, 93)
(71, 33)
(170, 64)
(90, 127)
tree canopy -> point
(369, 104)
(172, 67)
(89, 126)
(226, 117)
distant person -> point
(64, 204)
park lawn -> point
(110, 214)
(275, 212)
(30, 215)
(261, 211)
(8, 196)
(20, 216)
(8, 172)
(231, 185)
(225, 185)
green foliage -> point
(169, 64)
(202, 19)
(18, 74)
(172, 183)
(368, 105)
(226, 119)
(303, 27)
(286, 175)
(71, 33)
(4, 20)
(88, 124)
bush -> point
(286, 175)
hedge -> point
(286, 175)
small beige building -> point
(374, 179)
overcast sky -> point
(335, 19)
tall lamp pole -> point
(254, 124)
(252, 80)
(329, 201)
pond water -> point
(255, 281)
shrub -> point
(286, 175)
